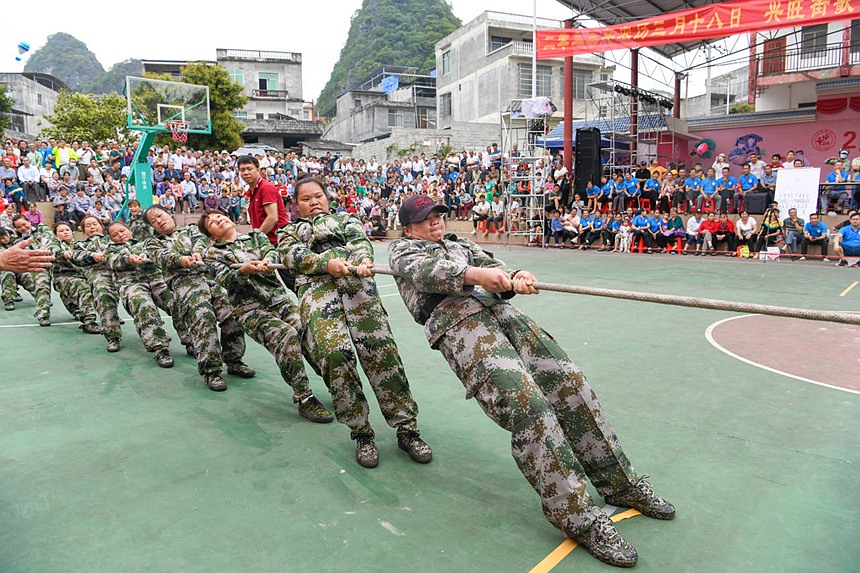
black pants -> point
(644, 236)
(476, 217)
(728, 239)
(804, 246)
(34, 191)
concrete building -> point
(35, 96)
(391, 97)
(725, 91)
(487, 63)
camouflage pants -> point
(347, 320)
(528, 385)
(8, 286)
(106, 300)
(139, 301)
(39, 286)
(165, 299)
(204, 305)
(277, 328)
(77, 297)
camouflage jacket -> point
(84, 250)
(309, 244)
(166, 250)
(255, 246)
(430, 277)
(63, 267)
(125, 273)
(138, 226)
(42, 236)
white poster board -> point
(797, 189)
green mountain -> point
(67, 58)
(113, 80)
(388, 32)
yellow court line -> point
(569, 545)
(846, 291)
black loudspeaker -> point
(587, 166)
(755, 203)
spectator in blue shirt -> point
(727, 185)
(592, 193)
(610, 230)
(814, 233)
(692, 187)
(767, 183)
(606, 191)
(595, 231)
(847, 242)
(747, 183)
(651, 190)
(631, 187)
(708, 190)
(838, 192)
(586, 225)
(642, 229)
(555, 229)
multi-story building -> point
(34, 96)
(487, 64)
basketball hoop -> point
(178, 129)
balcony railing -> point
(527, 49)
(270, 94)
(797, 59)
(522, 20)
(257, 55)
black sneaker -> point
(313, 410)
(18, 298)
(164, 359)
(602, 540)
(113, 345)
(214, 382)
(418, 450)
(842, 263)
(642, 498)
(365, 452)
(91, 328)
(9, 305)
(44, 322)
(240, 369)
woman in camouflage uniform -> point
(344, 317)
(37, 284)
(70, 282)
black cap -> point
(417, 208)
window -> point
(497, 42)
(38, 99)
(445, 105)
(423, 118)
(268, 81)
(238, 76)
(544, 81)
(260, 116)
(813, 40)
(240, 114)
(395, 119)
(581, 78)
(446, 62)
(855, 36)
(604, 77)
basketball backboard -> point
(154, 103)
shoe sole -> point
(316, 419)
(241, 375)
(415, 458)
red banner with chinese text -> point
(711, 21)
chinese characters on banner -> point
(711, 21)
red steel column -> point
(676, 111)
(634, 103)
(568, 107)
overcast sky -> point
(192, 30)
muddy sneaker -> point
(91, 328)
(642, 498)
(44, 322)
(418, 450)
(240, 369)
(164, 359)
(113, 345)
(10, 305)
(313, 410)
(214, 382)
(365, 452)
(603, 541)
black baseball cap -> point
(417, 208)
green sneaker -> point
(642, 498)
(313, 410)
(602, 540)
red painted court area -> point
(821, 352)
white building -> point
(487, 63)
(34, 96)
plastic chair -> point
(709, 206)
(644, 203)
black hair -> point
(201, 224)
(246, 159)
(155, 207)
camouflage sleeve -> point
(218, 261)
(267, 251)
(159, 250)
(81, 254)
(428, 270)
(116, 259)
(480, 257)
(357, 244)
(298, 257)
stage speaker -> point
(587, 165)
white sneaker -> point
(831, 213)
(802, 258)
(474, 232)
(825, 260)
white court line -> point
(391, 294)
(710, 337)
(386, 286)
(37, 325)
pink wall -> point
(818, 140)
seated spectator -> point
(6, 217)
(839, 193)
(642, 229)
(747, 183)
(725, 233)
(770, 232)
(592, 194)
(377, 228)
(99, 212)
(497, 214)
(611, 226)
(692, 233)
(168, 201)
(651, 189)
(793, 227)
(706, 234)
(570, 222)
(62, 215)
(767, 183)
(15, 194)
(554, 229)
(692, 185)
(708, 190)
(746, 230)
(814, 233)
(847, 242)
(480, 212)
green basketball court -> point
(109, 463)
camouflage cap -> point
(417, 208)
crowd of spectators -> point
(491, 189)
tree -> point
(225, 97)
(84, 116)
(5, 109)
(741, 108)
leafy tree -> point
(388, 32)
(742, 108)
(5, 109)
(84, 116)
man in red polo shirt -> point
(266, 208)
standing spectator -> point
(720, 163)
(814, 233)
(756, 166)
(266, 209)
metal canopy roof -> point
(611, 12)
